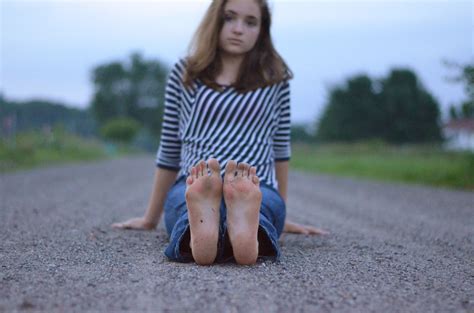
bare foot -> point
(243, 198)
(203, 198)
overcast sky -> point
(48, 48)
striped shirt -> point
(201, 123)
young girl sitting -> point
(222, 164)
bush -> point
(120, 130)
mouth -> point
(235, 41)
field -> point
(39, 148)
(424, 164)
(420, 164)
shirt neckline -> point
(200, 82)
(224, 86)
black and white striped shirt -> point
(200, 123)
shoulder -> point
(285, 84)
(178, 69)
(283, 93)
(279, 86)
(284, 87)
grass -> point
(38, 148)
(422, 164)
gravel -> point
(392, 248)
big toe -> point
(214, 166)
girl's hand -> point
(139, 223)
(292, 227)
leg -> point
(272, 219)
(203, 198)
(243, 198)
(177, 223)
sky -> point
(48, 48)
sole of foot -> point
(203, 198)
(243, 198)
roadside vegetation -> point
(421, 164)
(388, 128)
(38, 148)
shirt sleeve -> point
(282, 136)
(168, 155)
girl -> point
(222, 164)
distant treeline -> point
(17, 116)
(128, 103)
(395, 109)
(40, 114)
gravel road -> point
(392, 248)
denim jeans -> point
(271, 221)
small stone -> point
(26, 305)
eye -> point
(251, 22)
(228, 18)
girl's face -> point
(241, 26)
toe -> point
(214, 166)
(246, 170)
(190, 180)
(201, 167)
(230, 170)
(241, 169)
(253, 175)
(253, 171)
(194, 172)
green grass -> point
(33, 149)
(422, 164)
(428, 165)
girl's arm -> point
(282, 150)
(168, 155)
(162, 183)
(281, 169)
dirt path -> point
(393, 248)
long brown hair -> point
(262, 66)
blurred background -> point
(382, 89)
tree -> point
(134, 90)
(352, 112)
(465, 76)
(411, 113)
(300, 133)
(396, 109)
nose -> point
(238, 27)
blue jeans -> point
(271, 222)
